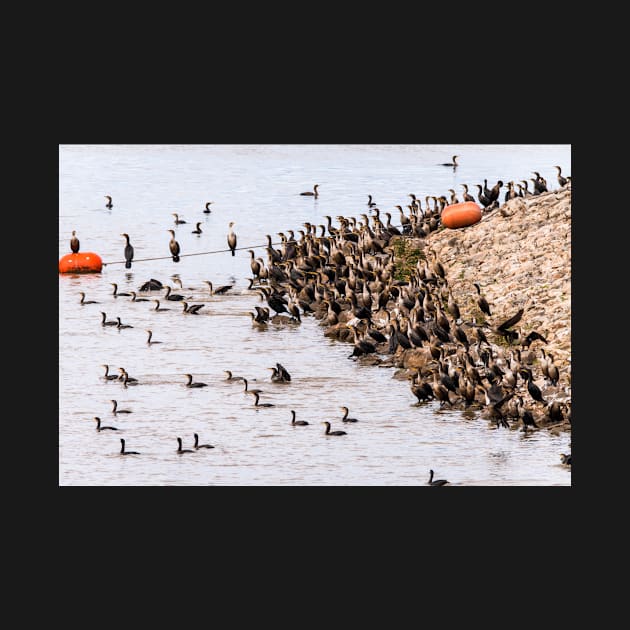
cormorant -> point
(108, 376)
(120, 325)
(149, 340)
(482, 303)
(181, 450)
(454, 163)
(329, 432)
(115, 409)
(230, 377)
(108, 322)
(151, 285)
(207, 210)
(370, 204)
(177, 219)
(175, 297)
(345, 416)
(312, 194)
(115, 292)
(74, 243)
(436, 482)
(173, 246)
(532, 336)
(84, 301)
(198, 229)
(134, 297)
(294, 422)
(191, 384)
(257, 397)
(219, 290)
(101, 428)
(128, 252)
(561, 180)
(124, 452)
(197, 445)
(566, 459)
(231, 238)
(467, 195)
(158, 307)
(532, 388)
(109, 203)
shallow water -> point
(395, 442)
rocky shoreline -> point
(407, 300)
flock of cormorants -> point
(346, 276)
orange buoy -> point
(83, 262)
(461, 214)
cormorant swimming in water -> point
(197, 230)
(124, 452)
(345, 416)
(116, 294)
(151, 285)
(134, 297)
(437, 482)
(197, 445)
(232, 378)
(312, 194)
(454, 163)
(115, 409)
(219, 290)
(158, 307)
(294, 422)
(175, 297)
(566, 459)
(100, 428)
(181, 450)
(108, 322)
(109, 203)
(120, 325)
(191, 384)
(149, 340)
(128, 252)
(370, 204)
(207, 210)
(177, 219)
(74, 243)
(108, 376)
(231, 238)
(84, 301)
(257, 396)
(329, 432)
(173, 246)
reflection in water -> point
(395, 442)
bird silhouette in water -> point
(173, 245)
(74, 243)
(109, 203)
(231, 238)
(128, 252)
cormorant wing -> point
(510, 322)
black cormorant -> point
(345, 416)
(197, 445)
(191, 384)
(74, 243)
(312, 194)
(115, 409)
(149, 338)
(101, 428)
(105, 322)
(295, 423)
(120, 325)
(257, 398)
(84, 301)
(197, 229)
(109, 203)
(329, 432)
(482, 303)
(115, 292)
(436, 482)
(128, 252)
(454, 163)
(207, 210)
(124, 452)
(181, 450)
(178, 221)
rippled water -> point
(395, 441)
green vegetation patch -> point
(406, 258)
